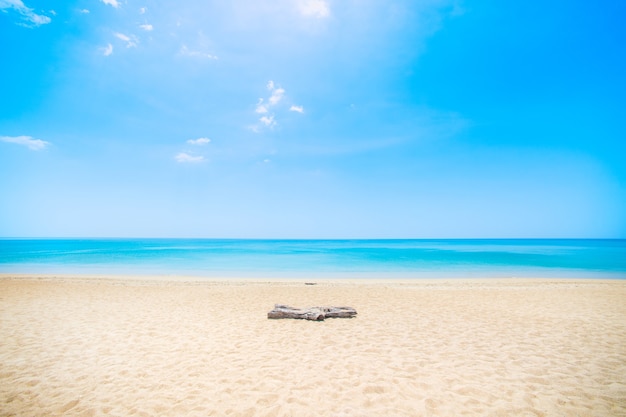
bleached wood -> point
(282, 311)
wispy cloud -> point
(298, 109)
(143, 10)
(146, 27)
(261, 107)
(84, 11)
(131, 41)
(277, 95)
(268, 121)
(28, 141)
(266, 107)
(314, 8)
(29, 17)
(113, 3)
(184, 157)
(107, 50)
(199, 141)
(187, 156)
(184, 51)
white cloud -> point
(199, 141)
(146, 27)
(107, 50)
(53, 13)
(84, 11)
(265, 105)
(276, 96)
(28, 141)
(184, 51)
(143, 10)
(131, 41)
(268, 121)
(185, 157)
(314, 8)
(113, 3)
(261, 107)
(31, 18)
(295, 108)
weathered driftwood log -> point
(282, 311)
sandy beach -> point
(141, 347)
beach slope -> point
(129, 347)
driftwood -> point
(282, 311)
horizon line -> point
(296, 238)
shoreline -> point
(83, 345)
(243, 279)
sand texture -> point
(79, 347)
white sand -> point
(83, 347)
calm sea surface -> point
(456, 258)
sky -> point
(313, 119)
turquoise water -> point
(455, 258)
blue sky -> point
(312, 119)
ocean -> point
(405, 259)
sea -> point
(310, 259)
